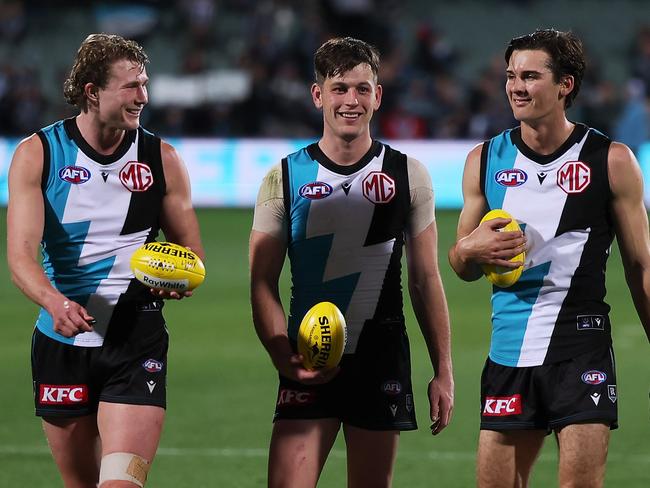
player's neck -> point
(103, 139)
(343, 152)
(545, 137)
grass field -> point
(221, 385)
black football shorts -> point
(371, 391)
(548, 397)
(130, 367)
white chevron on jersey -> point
(107, 204)
(348, 254)
(540, 207)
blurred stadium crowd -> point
(242, 68)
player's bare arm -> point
(25, 222)
(430, 307)
(631, 221)
(178, 219)
(478, 243)
(266, 258)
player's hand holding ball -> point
(321, 340)
(322, 336)
(169, 270)
(504, 276)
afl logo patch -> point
(593, 377)
(391, 387)
(74, 174)
(152, 366)
(511, 177)
(136, 176)
(316, 190)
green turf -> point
(222, 385)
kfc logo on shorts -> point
(593, 377)
(502, 406)
(378, 187)
(574, 177)
(295, 398)
(152, 366)
(74, 174)
(136, 176)
(62, 394)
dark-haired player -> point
(551, 366)
(90, 190)
(342, 209)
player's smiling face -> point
(531, 88)
(125, 95)
(348, 102)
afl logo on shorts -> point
(316, 190)
(136, 176)
(378, 187)
(511, 177)
(74, 174)
(593, 377)
(391, 387)
(152, 366)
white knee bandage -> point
(124, 466)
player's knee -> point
(123, 466)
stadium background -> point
(236, 72)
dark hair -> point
(342, 54)
(93, 62)
(565, 50)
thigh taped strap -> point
(124, 466)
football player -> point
(342, 209)
(90, 190)
(551, 366)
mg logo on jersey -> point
(593, 377)
(378, 187)
(295, 397)
(511, 177)
(62, 394)
(316, 190)
(502, 406)
(136, 176)
(74, 174)
(574, 177)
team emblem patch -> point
(574, 177)
(611, 393)
(378, 187)
(511, 177)
(74, 174)
(136, 176)
(316, 190)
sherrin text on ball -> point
(167, 266)
(321, 336)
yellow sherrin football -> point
(498, 275)
(167, 266)
(322, 336)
